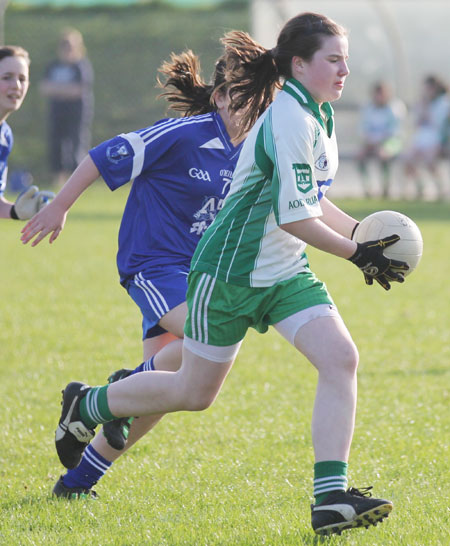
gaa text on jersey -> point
(199, 174)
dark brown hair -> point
(14, 51)
(187, 91)
(253, 73)
(438, 85)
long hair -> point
(253, 73)
(186, 91)
(14, 51)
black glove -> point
(374, 264)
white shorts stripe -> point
(205, 309)
(158, 293)
(199, 308)
(142, 286)
(204, 279)
(194, 309)
(154, 297)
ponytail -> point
(251, 76)
(186, 91)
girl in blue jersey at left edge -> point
(14, 83)
(181, 170)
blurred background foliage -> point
(126, 45)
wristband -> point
(13, 213)
(353, 230)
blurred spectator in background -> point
(14, 81)
(381, 130)
(67, 84)
(427, 145)
(446, 138)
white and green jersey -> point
(288, 161)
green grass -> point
(239, 473)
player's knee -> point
(348, 357)
(200, 401)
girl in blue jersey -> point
(181, 170)
(14, 82)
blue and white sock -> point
(147, 366)
(92, 467)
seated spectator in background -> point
(67, 85)
(427, 144)
(381, 126)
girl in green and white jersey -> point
(250, 267)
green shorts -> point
(220, 313)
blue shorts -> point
(156, 292)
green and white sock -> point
(329, 476)
(94, 409)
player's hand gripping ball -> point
(386, 223)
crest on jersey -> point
(117, 153)
(303, 176)
(322, 162)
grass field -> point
(239, 473)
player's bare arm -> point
(5, 208)
(337, 219)
(51, 220)
(318, 234)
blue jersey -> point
(181, 171)
(6, 144)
